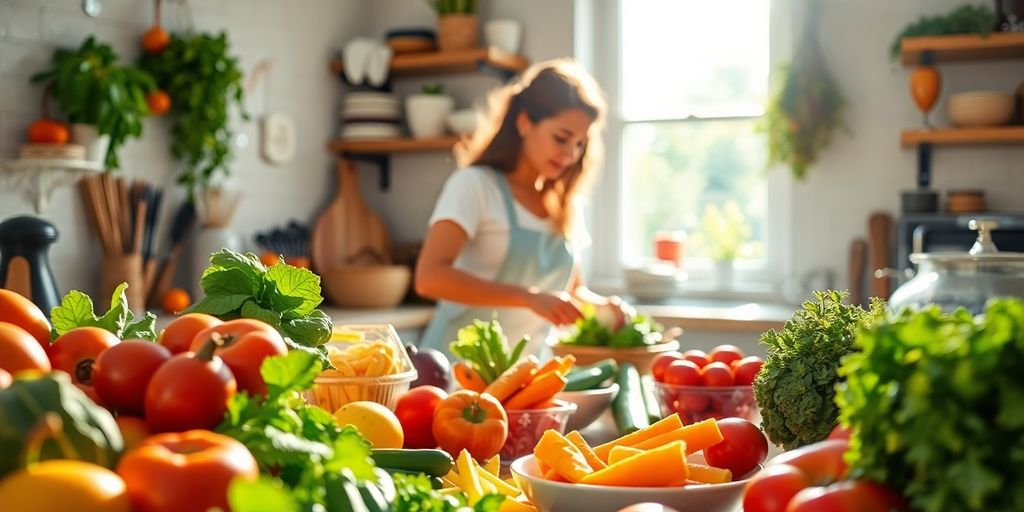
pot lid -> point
(984, 253)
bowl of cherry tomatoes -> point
(699, 385)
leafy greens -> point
(76, 310)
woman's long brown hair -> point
(543, 91)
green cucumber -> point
(435, 482)
(651, 403)
(590, 377)
(431, 462)
(628, 407)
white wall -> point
(298, 37)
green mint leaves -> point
(76, 310)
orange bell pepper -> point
(471, 421)
(186, 472)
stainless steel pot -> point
(957, 279)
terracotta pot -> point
(458, 32)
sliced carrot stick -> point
(470, 480)
(563, 456)
(567, 362)
(513, 379)
(551, 365)
(708, 475)
(542, 467)
(553, 475)
(539, 390)
(512, 505)
(697, 436)
(467, 377)
(667, 424)
(619, 453)
(661, 467)
(577, 440)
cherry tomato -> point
(180, 332)
(746, 370)
(415, 411)
(134, 431)
(76, 350)
(817, 464)
(661, 362)
(717, 375)
(122, 372)
(20, 351)
(725, 354)
(848, 496)
(744, 447)
(682, 372)
(778, 484)
(189, 391)
(698, 357)
(246, 343)
(18, 310)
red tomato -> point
(698, 357)
(20, 351)
(180, 332)
(76, 350)
(778, 484)
(716, 375)
(682, 372)
(839, 432)
(415, 411)
(189, 391)
(661, 362)
(848, 496)
(818, 464)
(725, 354)
(746, 370)
(122, 372)
(16, 309)
(246, 343)
(744, 447)
(133, 430)
(5, 379)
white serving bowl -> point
(462, 121)
(549, 496)
(590, 404)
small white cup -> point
(505, 34)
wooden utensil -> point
(348, 231)
(880, 233)
(858, 256)
(180, 229)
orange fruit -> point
(159, 102)
(155, 40)
(20, 351)
(269, 258)
(175, 300)
(48, 131)
(20, 311)
(376, 423)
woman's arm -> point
(437, 277)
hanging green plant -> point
(92, 88)
(966, 19)
(203, 80)
(806, 108)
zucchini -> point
(628, 406)
(590, 377)
(435, 482)
(431, 462)
(650, 400)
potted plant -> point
(202, 77)
(104, 100)
(722, 233)
(428, 110)
(458, 27)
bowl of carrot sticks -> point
(662, 463)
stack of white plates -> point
(370, 115)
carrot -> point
(567, 362)
(619, 453)
(667, 424)
(696, 435)
(512, 505)
(563, 456)
(513, 379)
(661, 467)
(551, 365)
(467, 377)
(539, 390)
(577, 440)
(708, 474)
(553, 475)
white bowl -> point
(654, 283)
(590, 404)
(550, 496)
(980, 108)
(462, 121)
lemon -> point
(374, 422)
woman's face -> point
(553, 144)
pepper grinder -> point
(24, 265)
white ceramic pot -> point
(96, 145)
(426, 114)
(723, 274)
(505, 34)
(206, 242)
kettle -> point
(24, 266)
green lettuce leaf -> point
(76, 309)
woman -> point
(506, 234)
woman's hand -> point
(557, 308)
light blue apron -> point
(534, 259)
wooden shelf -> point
(963, 136)
(998, 45)
(388, 146)
(437, 63)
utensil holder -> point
(123, 268)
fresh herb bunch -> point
(92, 88)
(204, 79)
(483, 345)
(795, 388)
(639, 331)
(936, 406)
(286, 297)
(966, 19)
(76, 310)
(454, 6)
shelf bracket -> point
(924, 165)
(383, 163)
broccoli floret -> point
(795, 388)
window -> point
(693, 81)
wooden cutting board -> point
(348, 232)
(858, 256)
(880, 241)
